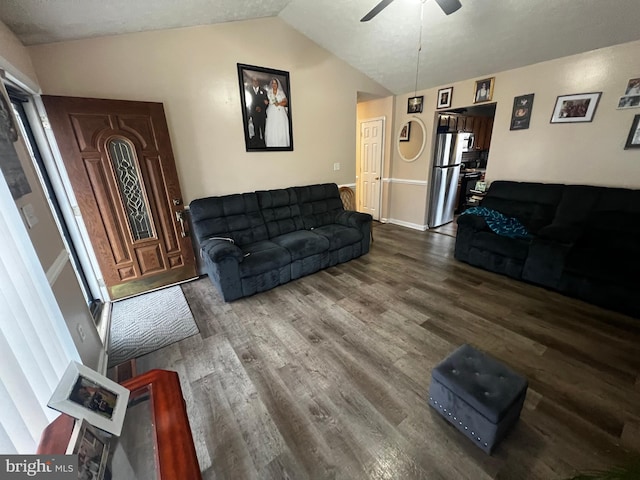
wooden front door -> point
(120, 163)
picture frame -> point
(92, 449)
(483, 90)
(86, 395)
(575, 108)
(444, 97)
(266, 111)
(633, 87)
(405, 132)
(521, 112)
(629, 101)
(633, 140)
(414, 104)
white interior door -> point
(371, 148)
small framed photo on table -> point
(633, 140)
(414, 105)
(444, 97)
(576, 108)
(92, 449)
(86, 395)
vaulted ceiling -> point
(483, 37)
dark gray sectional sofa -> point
(252, 242)
(585, 240)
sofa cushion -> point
(576, 204)
(280, 211)
(615, 222)
(261, 257)
(338, 235)
(302, 244)
(505, 246)
(232, 216)
(612, 256)
(319, 204)
(534, 204)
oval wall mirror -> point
(411, 139)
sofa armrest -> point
(353, 219)
(218, 249)
(563, 234)
(475, 222)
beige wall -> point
(582, 153)
(45, 235)
(193, 72)
(15, 59)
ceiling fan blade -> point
(376, 10)
(449, 6)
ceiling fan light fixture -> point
(376, 10)
(449, 6)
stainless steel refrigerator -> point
(447, 162)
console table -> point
(156, 441)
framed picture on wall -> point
(414, 104)
(580, 107)
(521, 113)
(633, 140)
(484, 90)
(444, 97)
(405, 132)
(631, 97)
(265, 99)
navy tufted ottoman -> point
(478, 394)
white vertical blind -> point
(35, 344)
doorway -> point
(477, 120)
(370, 163)
(120, 164)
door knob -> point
(377, 178)
(177, 201)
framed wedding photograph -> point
(444, 97)
(405, 132)
(484, 90)
(86, 395)
(265, 99)
(92, 449)
(579, 107)
(414, 104)
(521, 112)
(633, 140)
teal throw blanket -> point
(500, 223)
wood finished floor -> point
(328, 376)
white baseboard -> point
(402, 223)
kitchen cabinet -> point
(481, 127)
